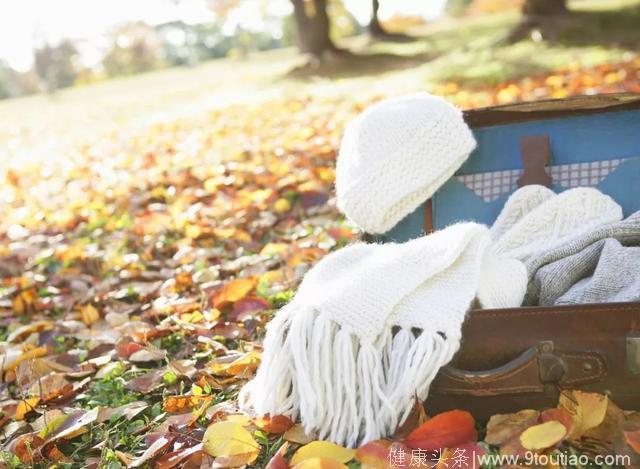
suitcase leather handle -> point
(528, 373)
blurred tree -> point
(544, 7)
(9, 81)
(538, 16)
(136, 48)
(376, 30)
(457, 7)
(56, 66)
(313, 25)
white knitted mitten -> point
(554, 221)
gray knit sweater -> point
(599, 267)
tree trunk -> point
(313, 30)
(376, 29)
(544, 7)
(538, 15)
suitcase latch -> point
(551, 367)
(633, 355)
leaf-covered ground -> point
(138, 272)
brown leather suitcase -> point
(521, 358)
(512, 359)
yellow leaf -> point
(211, 185)
(319, 463)
(272, 249)
(296, 434)
(246, 363)
(28, 355)
(89, 314)
(25, 406)
(543, 435)
(282, 205)
(587, 410)
(271, 277)
(240, 419)
(229, 439)
(323, 449)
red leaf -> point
(245, 307)
(633, 439)
(446, 430)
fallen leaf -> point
(74, 424)
(25, 406)
(276, 425)
(174, 458)
(587, 410)
(296, 434)
(502, 427)
(543, 436)
(444, 430)
(235, 365)
(151, 452)
(320, 463)
(234, 291)
(178, 404)
(376, 455)
(324, 449)
(89, 314)
(417, 417)
(278, 460)
(633, 439)
(230, 439)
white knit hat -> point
(395, 155)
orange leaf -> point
(25, 406)
(179, 404)
(445, 430)
(234, 291)
(277, 425)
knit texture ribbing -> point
(534, 220)
(395, 155)
(598, 267)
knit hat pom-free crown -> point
(395, 155)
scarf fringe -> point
(343, 389)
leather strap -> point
(528, 373)
(428, 217)
(534, 150)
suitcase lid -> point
(592, 141)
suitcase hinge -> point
(633, 355)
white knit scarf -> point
(372, 324)
(368, 330)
